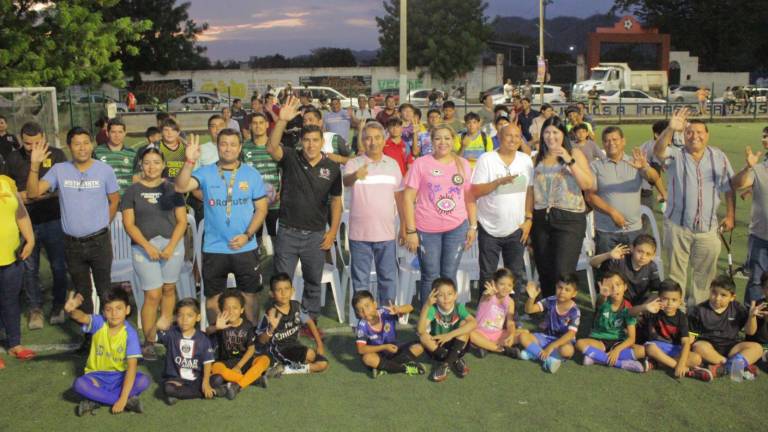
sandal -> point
(22, 353)
(2, 363)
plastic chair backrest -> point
(121, 242)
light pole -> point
(541, 49)
(403, 51)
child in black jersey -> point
(279, 331)
(235, 345)
(718, 322)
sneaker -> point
(587, 361)
(377, 373)
(552, 364)
(231, 391)
(525, 355)
(701, 374)
(648, 365)
(477, 351)
(36, 319)
(134, 404)
(717, 370)
(275, 371)
(460, 368)
(513, 352)
(86, 406)
(414, 368)
(440, 373)
(750, 372)
(741, 272)
(632, 366)
(298, 369)
(170, 400)
(58, 316)
(148, 352)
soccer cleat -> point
(296, 369)
(58, 316)
(648, 365)
(477, 351)
(440, 373)
(717, 370)
(170, 400)
(232, 389)
(134, 404)
(376, 373)
(513, 352)
(148, 352)
(526, 355)
(750, 372)
(460, 368)
(701, 374)
(552, 364)
(632, 366)
(587, 361)
(414, 368)
(36, 319)
(86, 406)
(275, 371)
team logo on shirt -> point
(436, 173)
(457, 179)
(211, 202)
(47, 163)
(325, 173)
(387, 327)
(243, 186)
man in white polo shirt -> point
(377, 192)
(502, 184)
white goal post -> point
(23, 104)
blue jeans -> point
(757, 264)
(50, 236)
(605, 241)
(439, 256)
(294, 244)
(10, 308)
(384, 256)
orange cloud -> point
(296, 14)
(360, 22)
(218, 32)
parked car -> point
(420, 97)
(552, 94)
(629, 97)
(195, 101)
(103, 100)
(319, 92)
(683, 93)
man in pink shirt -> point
(377, 198)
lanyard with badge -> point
(230, 188)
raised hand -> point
(639, 161)
(73, 302)
(532, 289)
(679, 119)
(362, 172)
(756, 310)
(490, 288)
(432, 298)
(222, 321)
(605, 290)
(752, 158)
(391, 308)
(290, 109)
(653, 306)
(273, 318)
(39, 153)
(192, 150)
(562, 153)
(619, 252)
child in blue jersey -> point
(555, 344)
(111, 372)
(613, 329)
(665, 328)
(377, 340)
(188, 357)
(444, 328)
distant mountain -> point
(560, 32)
(365, 57)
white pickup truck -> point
(617, 76)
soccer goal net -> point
(23, 104)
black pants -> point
(511, 251)
(557, 237)
(85, 257)
(271, 223)
(183, 389)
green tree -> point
(447, 37)
(727, 35)
(63, 43)
(169, 44)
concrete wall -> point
(241, 83)
(689, 65)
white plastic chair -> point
(409, 274)
(185, 286)
(469, 270)
(647, 212)
(587, 252)
(122, 261)
(198, 259)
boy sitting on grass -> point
(279, 331)
(665, 328)
(555, 344)
(636, 265)
(111, 371)
(444, 329)
(613, 329)
(377, 340)
(718, 322)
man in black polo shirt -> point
(310, 184)
(46, 222)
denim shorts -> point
(153, 274)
